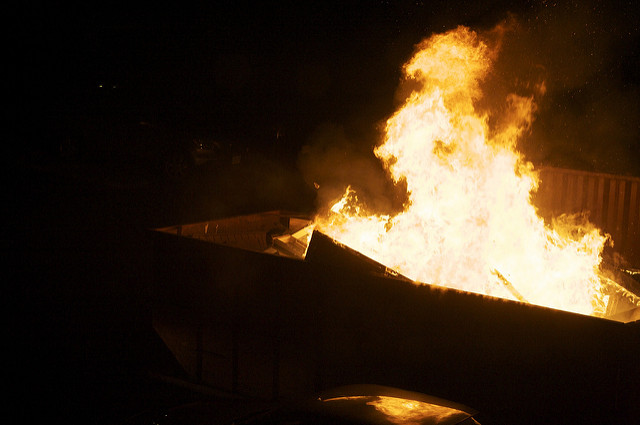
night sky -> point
(245, 70)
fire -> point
(469, 223)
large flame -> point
(468, 222)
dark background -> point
(297, 84)
(251, 70)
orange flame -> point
(469, 223)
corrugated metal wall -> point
(613, 204)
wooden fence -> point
(612, 203)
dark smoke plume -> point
(586, 56)
(331, 161)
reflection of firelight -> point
(406, 412)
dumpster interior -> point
(293, 235)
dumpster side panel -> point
(273, 327)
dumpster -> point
(242, 310)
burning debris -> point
(295, 236)
(469, 222)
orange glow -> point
(469, 223)
(406, 412)
(409, 412)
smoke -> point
(579, 63)
(332, 160)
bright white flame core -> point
(469, 223)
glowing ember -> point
(469, 223)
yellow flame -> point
(469, 223)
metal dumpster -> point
(257, 322)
